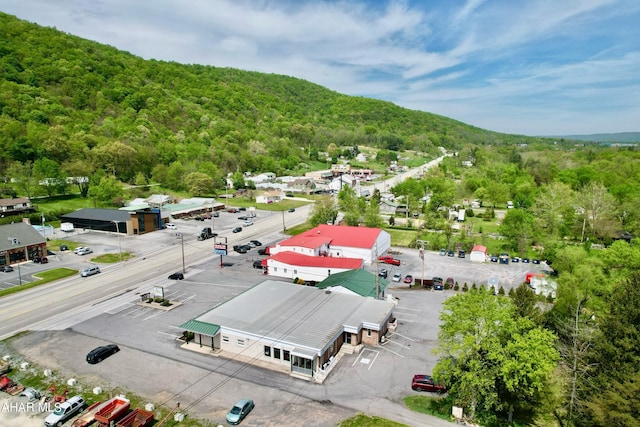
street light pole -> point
(184, 270)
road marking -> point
(169, 335)
(153, 315)
(403, 336)
(189, 298)
(391, 351)
(115, 310)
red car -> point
(408, 278)
(426, 383)
(388, 259)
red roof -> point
(293, 258)
(479, 248)
(336, 235)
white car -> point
(397, 277)
(90, 271)
(64, 411)
(171, 226)
(78, 249)
(84, 251)
(248, 223)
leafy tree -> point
(80, 171)
(116, 157)
(23, 173)
(325, 211)
(199, 183)
(372, 215)
(50, 176)
(517, 228)
(524, 301)
(492, 360)
(108, 190)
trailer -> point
(10, 387)
(88, 417)
(67, 227)
(114, 409)
(136, 418)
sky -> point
(530, 67)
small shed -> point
(478, 253)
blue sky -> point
(535, 67)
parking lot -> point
(152, 363)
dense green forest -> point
(72, 107)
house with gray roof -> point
(296, 329)
(20, 242)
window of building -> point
(240, 342)
(368, 332)
(276, 353)
(267, 351)
(295, 271)
(285, 270)
(285, 355)
(225, 338)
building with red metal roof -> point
(338, 241)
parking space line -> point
(153, 315)
(366, 360)
(117, 309)
(407, 309)
(169, 335)
(402, 336)
(406, 321)
(391, 351)
(189, 298)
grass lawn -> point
(44, 276)
(438, 407)
(361, 420)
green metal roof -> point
(200, 327)
(359, 281)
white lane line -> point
(391, 351)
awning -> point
(201, 327)
(304, 353)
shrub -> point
(465, 288)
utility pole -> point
(284, 228)
(377, 273)
(184, 270)
(422, 244)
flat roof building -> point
(292, 328)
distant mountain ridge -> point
(605, 137)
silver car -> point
(84, 251)
(90, 271)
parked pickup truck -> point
(388, 259)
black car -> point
(292, 209)
(40, 260)
(241, 249)
(536, 261)
(176, 276)
(6, 268)
(243, 218)
(383, 273)
(255, 243)
(98, 354)
(257, 264)
(525, 260)
(237, 229)
(493, 258)
(64, 247)
(451, 253)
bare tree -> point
(552, 201)
(598, 205)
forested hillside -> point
(87, 107)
